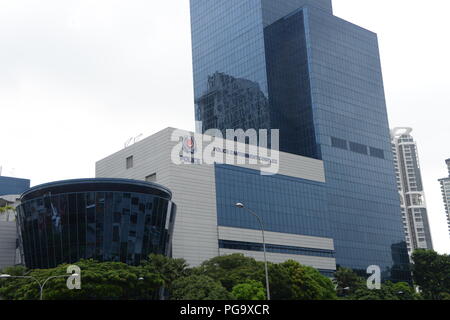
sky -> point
(78, 78)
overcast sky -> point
(78, 78)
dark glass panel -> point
(64, 213)
(57, 227)
(91, 226)
(64, 228)
(358, 148)
(339, 143)
(82, 223)
(99, 225)
(108, 226)
(73, 227)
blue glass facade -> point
(101, 219)
(228, 50)
(285, 204)
(348, 103)
(9, 186)
(322, 81)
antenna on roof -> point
(133, 140)
(138, 138)
(128, 142)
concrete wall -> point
(284, 239)
(7, 244)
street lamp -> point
(241, 206)
(41, 284)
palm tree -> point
(6, 210)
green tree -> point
(292, 281)
(6, 210)
(431, 272)
(403, 291)
(168, 269)
(251, 290)
(99, 281)
(280, 282)
(14, 271)
(388, 291)
(198, 287)
(347, 282)
(232, 270)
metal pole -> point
(44, 283)
(41, 285)
(264, 247)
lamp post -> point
(241, 206)
(41, 284)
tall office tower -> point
(445, 187)
(318, 79)
(410, 187)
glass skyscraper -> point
(292, 65)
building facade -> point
(410, 188)
(101, 219)
(291, 202)
(445, 188)
(320, 83)
(10, 185)
(9, 249)
(8, 236)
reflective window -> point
(250, 246)
(129, 162)
(258, 64)
(105, 226)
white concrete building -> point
(445, 189)
(410, 187)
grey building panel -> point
(7, 244)
(315, 262)
(285, 239)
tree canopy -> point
(232, 270)
(250, 290)
(222, 278)
(99, 281)
(292, 281)
(431, 272)
(199, 287)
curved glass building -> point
(103, 219)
